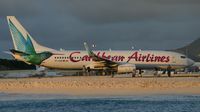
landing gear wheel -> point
(140, 72)
(88, 71)
(133, 74)
(156, 72)
(112, 75)
(169, 74)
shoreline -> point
(101, 86)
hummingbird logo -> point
(25, 48)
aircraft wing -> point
(102, 60)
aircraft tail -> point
(22, 40)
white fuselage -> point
(142, 59)
(28, 50)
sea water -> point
(59, 103)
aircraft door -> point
(173, 60)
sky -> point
(115, 24)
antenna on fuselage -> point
(132, 48)
(61, 49)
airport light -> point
(94, 45)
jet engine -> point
(126, 68)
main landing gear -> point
(169, 69)
(133, 73)
(86, 71)
(140, 72)
(156, 73)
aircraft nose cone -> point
(190, 62)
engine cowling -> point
(126, 68)
(95, 66)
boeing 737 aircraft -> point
(28, 50)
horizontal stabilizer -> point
(17, 52)
(7, 52)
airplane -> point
(119, 61)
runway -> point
(101, 85)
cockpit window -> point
(183, 57)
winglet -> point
(86, 46)
(88, 49)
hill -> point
(192, 50)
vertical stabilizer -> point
(22, 40)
